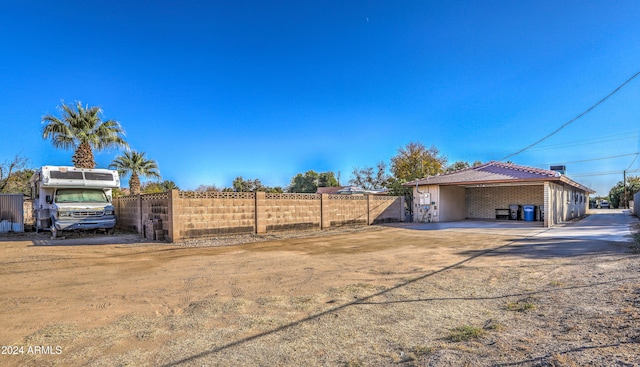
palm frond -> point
(83, 124)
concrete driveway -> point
(612, 225)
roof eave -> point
(562, 178)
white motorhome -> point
(69, 198)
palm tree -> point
(83, 130)
(137, 165)
(168, 185)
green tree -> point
(415, 161)
(137, 165)
(151, 188)
(412, 162)
(369, 178)
(15, 176)
(327, 179)
(456, 166)
(307, 183)
(83, 130)
(616, 194)
(311, 180)
(205, 188)
(155, 187)
(242, 185)
(168, 185)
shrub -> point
(465, 333)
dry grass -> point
(402, 299)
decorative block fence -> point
(179, 215)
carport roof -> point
(497, 172)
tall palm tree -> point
(83, 130)
(137, 165)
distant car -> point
(604, 204)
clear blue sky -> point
(267, 89)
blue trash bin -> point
(529, 213)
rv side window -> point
(68, 175)
(80, 196)
(98, 176)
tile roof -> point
(495, 172)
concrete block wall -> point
(384, 209)
(636, 204)
(291, 211)
(340, 210)
(481, 202)
(128, 213)
(187, 215)
(207, 214)
(155, 207)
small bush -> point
(520, 306)
(463, 333)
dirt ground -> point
(375, 296)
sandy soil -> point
(378, 296)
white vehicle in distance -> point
(69, 198)
(604, 204)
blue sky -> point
(267, 89)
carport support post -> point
(548, 209)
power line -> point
(604, 173)
(576, 143)
(588, 160)
(634, 161)
(573, 119)
(591, 141)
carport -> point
(487, 192)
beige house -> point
(497, 190)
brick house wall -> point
(481, 202)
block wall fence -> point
(181, 215)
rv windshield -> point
(80, 196)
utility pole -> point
(624, 184)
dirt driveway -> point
(388, 295)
